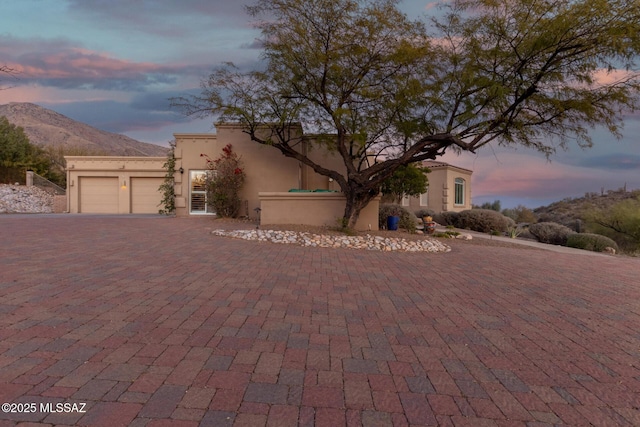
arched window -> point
(459, 192)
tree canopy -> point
(407, 180)
(538, 73)
(18, 154)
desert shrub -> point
(424, 212)
(484, 220)
(620, 222)
(407, 219)
(591, 242)
(550, 232)
(447, 218)
(521, 214)
(515, 231)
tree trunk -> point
(356, 200)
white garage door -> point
(145, 197)
(98, 195)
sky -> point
(114, 64)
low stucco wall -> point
(313, 209)
(59, 204)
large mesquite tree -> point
(538, 73)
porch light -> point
(181, 170)
(124, 184)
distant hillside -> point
(567, 211)
(45, 127)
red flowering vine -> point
(224, 182)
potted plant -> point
(429, 224)
(393, 217)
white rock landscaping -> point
(368, 242)
(23, 199)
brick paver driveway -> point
(153, 321)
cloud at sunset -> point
(522, 177)
(115, 64)
(60, 63)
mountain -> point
(45, 127)
(569, 210)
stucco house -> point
(123, 185)
(449, 189)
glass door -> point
(198, 193)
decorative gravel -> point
(368, 242)
(22, 199)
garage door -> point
(98, 195)
(145, 197)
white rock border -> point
(368, 242)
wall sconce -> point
(181, 170)
(124, 184)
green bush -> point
(550, 232)
(483, 220)
(407, 219)
(591, 242)
(447, 218)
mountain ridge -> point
(45, 127)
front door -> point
(198, 193)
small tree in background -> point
(409, 180)
(494, 206)
(521, 214)
(168, 203)
(224, 182)
(16, 152)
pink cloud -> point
(434, 4)
(512, 174)
(58, 63)
(605, 77)
(80, 63)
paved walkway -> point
(531, 244)
(155, 322)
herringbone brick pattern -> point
(154, 322)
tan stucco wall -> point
(327, 159)
(321, 209)
(120, 167)
(267, 170)
(60, 204)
